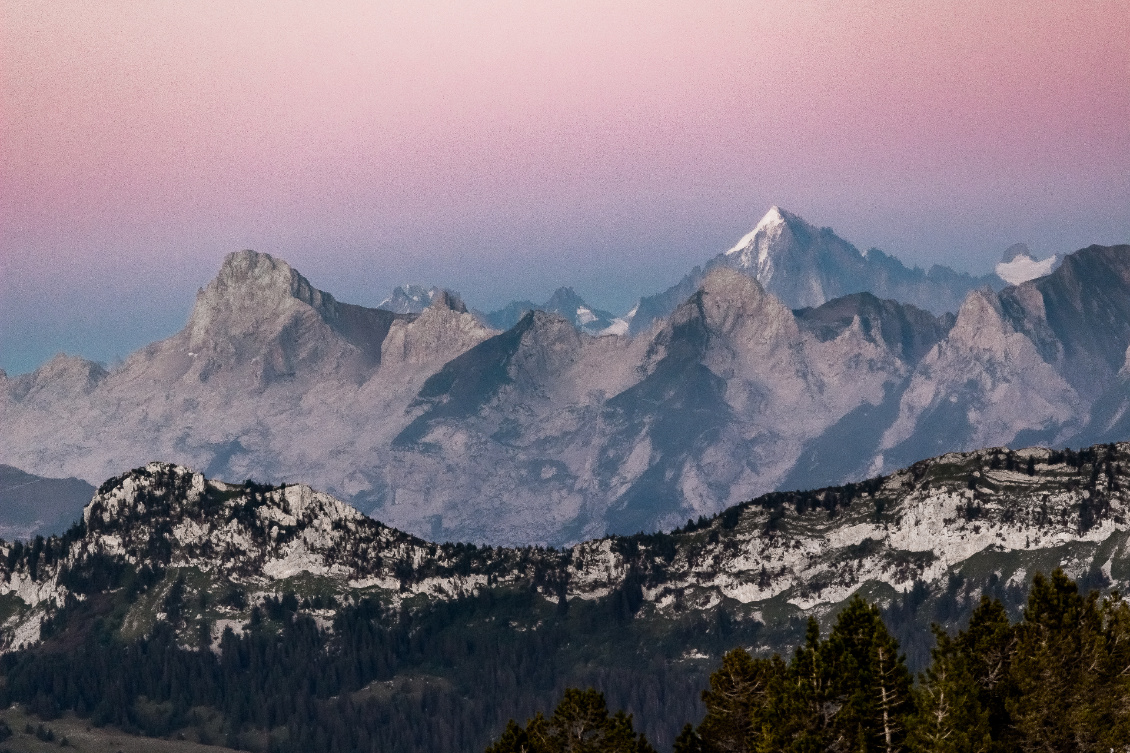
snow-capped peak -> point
(1018, 265)
(773, 218)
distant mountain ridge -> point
(806, 266)
(36, 506)
(564, 302)
(409, 299)
(546, 434)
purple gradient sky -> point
(505, 148)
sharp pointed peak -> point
(564, 296)
(774, 218)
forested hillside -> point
(1056, 680)
(279, 618)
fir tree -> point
(738, 703)
(987, 647)
(580, 724)
(1070, 670)
(870, 681)
(949, 716)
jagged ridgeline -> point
(790, 361)
(279, 618)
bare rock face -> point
(546, 434)
(261, 313)
(62, 378)
(442, 329)
(985, 385)
(409, 299)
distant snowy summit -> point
(805, 266)
(1018, 265)
(409, 299)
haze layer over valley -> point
(773, 368)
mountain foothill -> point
(790, 361)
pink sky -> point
(506, 148)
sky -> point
(503, 149)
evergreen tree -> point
(1069, 670)
(804, 712)
(580, 724)
(987, 647)
(850, 692)
(739, 702)
(870, 683)
(949, 716)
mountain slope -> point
(269, 377)
(546, 434)
(33, 505)
(607, 434)
(1023, 365)
(165, 557)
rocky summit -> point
(807, 266)
(547, 434)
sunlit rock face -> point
(545, 433)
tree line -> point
(1058, 680)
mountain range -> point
(289, 586)
(769, 370)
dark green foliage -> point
(444, 677)
(579, 724)
(738, 703)
(1070, 670)
(951, 717)
(1057, 681)
(849, 692)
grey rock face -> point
(1037, 362)
(546, 434)
(409, 299)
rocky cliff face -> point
(1037, 362)
(988, 519)
(544, 433)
